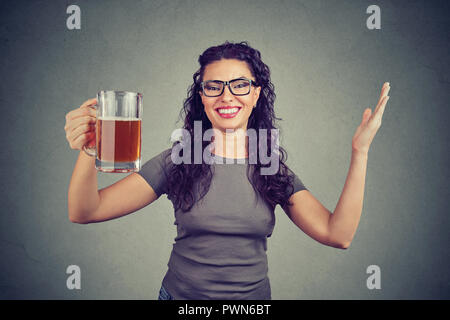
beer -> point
(118, 139)
(117, 146)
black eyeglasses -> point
(238, 87)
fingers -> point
(84, 110)
(382, 106)
(75, 122)
(377, 116)
(80, 124)
(81, 134)
(82, 140)
(384, 97)
(366, 116)
(384, 93)
(89, 103)
(383, 89)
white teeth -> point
(227, 111)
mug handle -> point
(91, 151)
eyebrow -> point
(231, 79)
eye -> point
(239, 84)
(212, 87)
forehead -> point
(227, 69)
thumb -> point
(366, 115)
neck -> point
(230, 144)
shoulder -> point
(160, 160)
(155, 171)
(162, 155)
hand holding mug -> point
(108, 128)
(80, 125)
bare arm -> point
(83, 197)
(338, 229)
(345, 219)
(87, 204)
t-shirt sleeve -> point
(154, 171)
(298, 184)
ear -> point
(256, 93)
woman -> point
(223, 212)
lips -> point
(228, 111)
(227, 107)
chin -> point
(230, 127)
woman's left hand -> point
(370, 123)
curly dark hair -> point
(187, 181)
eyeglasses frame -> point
(227, 83)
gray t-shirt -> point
(220, 247)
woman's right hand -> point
(80, 125)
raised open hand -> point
(370, 123)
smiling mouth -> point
(229, 112)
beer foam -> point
(111, 118)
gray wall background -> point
(327, 68)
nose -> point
(227, 95)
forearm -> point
(345, 219)
(83, 197)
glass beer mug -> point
(118, 132)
